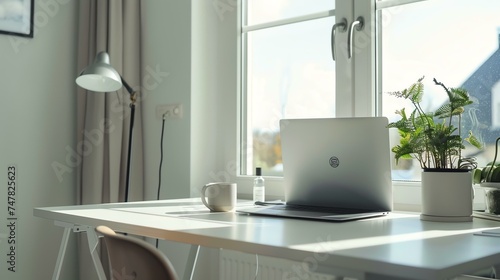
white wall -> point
(37, 124)
(214, 91)
(194, 43)
(166, 48)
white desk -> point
(399, 246)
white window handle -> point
(358, 24)
(342, 25)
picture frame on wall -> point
(16, 17)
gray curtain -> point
(103, 118)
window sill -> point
(406, 195)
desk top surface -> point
(399, 244)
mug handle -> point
(203, 196)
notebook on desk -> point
(335, 169)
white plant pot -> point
(447, 196)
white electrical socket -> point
(169, 111)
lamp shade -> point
(100, 76)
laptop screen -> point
(337, 162)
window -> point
(289, 73)
(288, 69)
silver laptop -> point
(335, 169)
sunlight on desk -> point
(176, 211)
(331, 245)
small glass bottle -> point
(259, 190)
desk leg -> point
(191, 262)
(62, 252)
(93, 242)
(496, 270)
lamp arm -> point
(130, 90)
(126, 85)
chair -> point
(132, 258)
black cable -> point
(161, 159)
(161, 163)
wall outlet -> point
(169, 111)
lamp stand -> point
(132, 115)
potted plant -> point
(434, 139)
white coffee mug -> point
(219, 197)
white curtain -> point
(103, 118)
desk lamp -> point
(100, 76)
